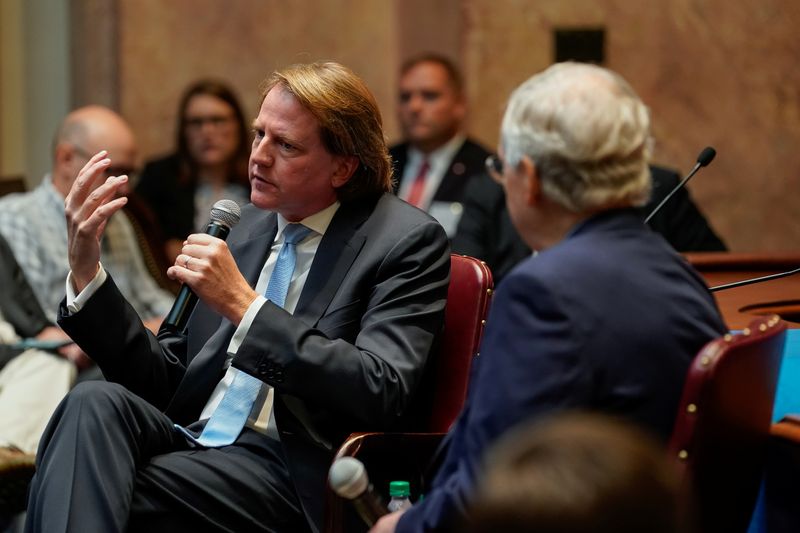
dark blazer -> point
(485, 230)
(607, 320)
(172, 202)
(467, 163)
(349, 359)
(18, 303)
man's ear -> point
(64, 154)
(345, 168)
(533, 186)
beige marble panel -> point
(713, 73)
(164, 46)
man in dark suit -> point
(435, 161)
(607, 317)
(263, 389)
(485, 230)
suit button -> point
(279, 376)
(263, 368)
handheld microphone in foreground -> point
(705, 157)
(348, 478)
(225, 214)
(750, 281)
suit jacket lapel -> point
(337, 251)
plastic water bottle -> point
(399, 492)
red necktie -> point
(418, 187)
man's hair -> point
(349, 121)
(578, 473)
(586, 131)
(453, 72)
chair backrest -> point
(468, 298)
(390, 456)
(723, 424)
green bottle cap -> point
(399, 488)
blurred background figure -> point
(578, 473)
(436, 159)
(35, 227)
(209, 163)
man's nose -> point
(262, 154)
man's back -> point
(608, 320)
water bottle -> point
(399, 492)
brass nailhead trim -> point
(691, 408)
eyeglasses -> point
(494, 166)
(215, 121)
(110, 171)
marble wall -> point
(713, 73)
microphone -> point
(225, 214)
(348, 478)
(750, 281)
(705, 157)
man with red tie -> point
(436, 160)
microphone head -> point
(706, 156)
(348, 477)
(226, 213)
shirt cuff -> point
(244, 325)
(76, 301)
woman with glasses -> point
(210, 163)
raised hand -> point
(88, 206)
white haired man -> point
(607, 316)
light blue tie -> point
(231, 414)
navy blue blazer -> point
(607, 320)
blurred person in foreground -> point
(578, 473)
(607, 317)
(209, 164)
(316, 318)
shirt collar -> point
(442, 156)
(317, 222)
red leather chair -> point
(402, 456)
(722, 429)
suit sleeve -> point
(365, 359)
(108, 329)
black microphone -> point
(750, 281)
(224, 215)
(348, 478)
(705, 157)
